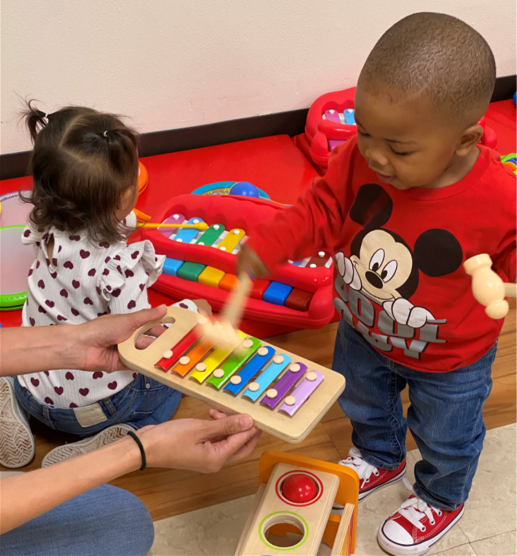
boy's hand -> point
(248, 261)
(203, 306)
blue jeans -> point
(445, 416)
(141, 403)
(106, 521)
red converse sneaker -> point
(371, 478)
(415, 527)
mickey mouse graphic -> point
(383, 267)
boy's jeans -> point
(445, 416)
(142, 402)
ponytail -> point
(82, 162)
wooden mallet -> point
(223, 333)
(488, 288)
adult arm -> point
(194, 444)
(91, 346)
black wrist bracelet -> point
(142, 452)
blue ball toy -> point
(245, 189)
(515, 98)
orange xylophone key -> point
(194, 356)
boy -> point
(403, 205)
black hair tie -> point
(142, 452)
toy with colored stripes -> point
(291, 513)
(286, 395)
(201, 263)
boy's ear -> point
(469, 139)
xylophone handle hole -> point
(143, 339)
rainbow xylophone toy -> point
(201, 264)
(286, 395)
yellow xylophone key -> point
(210, 276)
(192, 357)
(210, 364)
(231, 241)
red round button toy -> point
(299, 489)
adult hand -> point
(198, 445)
(249, 262)
(95, 346)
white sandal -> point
(16, 438)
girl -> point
(85, 169)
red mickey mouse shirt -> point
(399, 255)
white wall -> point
(179, 63)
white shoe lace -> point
(415, 509)
(356, 462)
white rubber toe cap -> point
(396, 533)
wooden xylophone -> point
(202, 264)
(286, 395)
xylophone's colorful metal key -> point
(244, 351)
(188, 361)
(350, 116)
(172, 219)
(231, 241)
(277, 293)
(186, 235)
(318, 260)
(204, 369)
(332, 116)
(210, 235)
(267, 376)
(171, 266)
(291, 377)
(241, 379)
(211, 276)
(303, 262)
(301, 393)
(166, 363)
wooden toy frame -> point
(339, 532)
(291, 429)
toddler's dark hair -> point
(438, 55)
(82, 162)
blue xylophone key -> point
(267, 376)
(262, 356)
(277, 293)
(349, 116)
(186, 235)
(171, 266)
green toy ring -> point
(12, 301)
